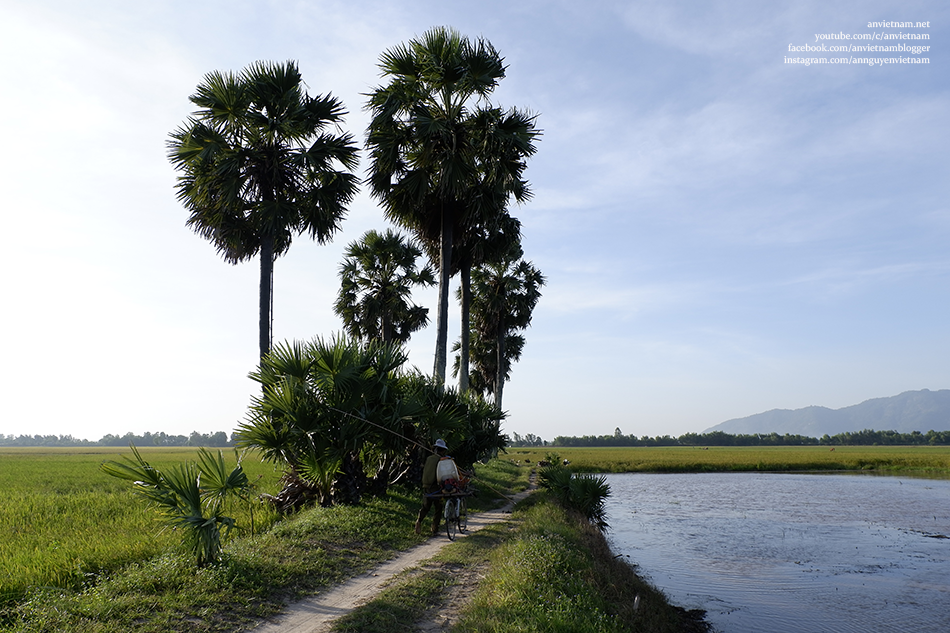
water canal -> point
(791, 553)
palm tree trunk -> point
(445, 272)
(500, 376)
(466, 274)
(387, 328)
(267, 290)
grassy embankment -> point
(304, 554)
(548, 570)
(682, 459)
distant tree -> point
(376, 281)
(259, 166)
(528, 440)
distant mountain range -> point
(910, 411)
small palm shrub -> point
(589, 493)
(585, 493)
(191, 496)
(556, 478)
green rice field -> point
(65, 521)
(934, 460)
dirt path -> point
(315, 614)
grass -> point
(550, 571)
(934, 459)
(420, 591)
(398, 608)
(65, 522)
(315, 549)
(495, 482)
(164, 591)
(557, 574)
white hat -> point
(440, 443)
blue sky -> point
(722, 232)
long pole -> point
(411, 441)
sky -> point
(722, 232)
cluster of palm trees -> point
(333, 410)
(261, 162)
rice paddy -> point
(65, 521)
(926, 459)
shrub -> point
(190, 495)
(585, 493)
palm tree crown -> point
(377, 276)
(504, 295)
(259, 166)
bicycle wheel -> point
(451, 518)
(463, 516)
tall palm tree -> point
(504, 295)
(376, 280)
(483, 368)
(261, 161)
(439, 154)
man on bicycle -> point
(431, 484)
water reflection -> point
(791, 552)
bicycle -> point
(456, 516)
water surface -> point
(791, 552)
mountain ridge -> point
(910, 411)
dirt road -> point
(315, 614)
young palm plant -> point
(585, 493)
(191, 496)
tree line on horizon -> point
(219, 439)
(866, 437)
